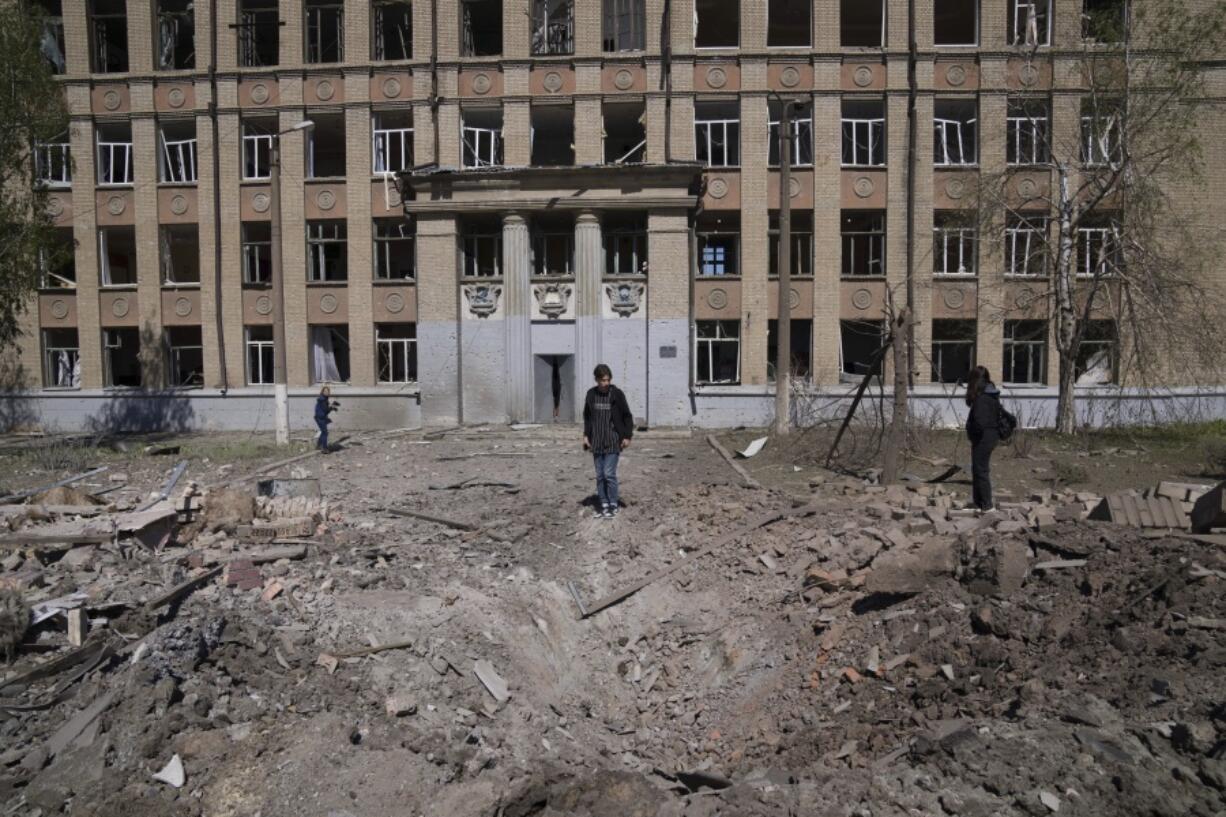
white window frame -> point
(1101, 244)
(1032, 238)
(874, 131)
(119, 154)
(314, 32)
(251, 259)
(383, 248)
(73, 366)
(484, 145)
(406, 348)
(732, 259)
(942, 129)
(1020, 20)
(260, 347)
(470, 244)
(802, 137)
(1100, 147)
(704, 134)
(957, 245)
(318, 239)
(46, 276)
(1029, 348)
(53, 163)
(392, 150)
(709, 351)
(255, 147)
(178, 160)
(1018, 128)
(631, 242)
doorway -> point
(555, 378)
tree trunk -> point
(897, 435)
(1066, 408)
(1067, 333)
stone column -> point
(438, 367)
(517, 278)
(589, 258)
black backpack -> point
(1006, 423)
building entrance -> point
(554, 399)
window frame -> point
(49, 368)
(1026, 345)
(183, 156)
(317, 253)
(703, 129)
(407, 347)
(1039, 135)
(875, 145)
(1043, 33)
(941, 345)
(314, 44)
(876, 238)
(470, 255)
(802, 141)
(383, 246)
(45, 160)
(260, 347)
(1016, 226)
(710, 343)
(732, 236)
(942, 234)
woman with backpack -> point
(986, 424)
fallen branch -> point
(272, 466)
(438, 520)
(855, 403)
(61, 483)
(749, 481)
(164, 494)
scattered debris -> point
(172, 774)
(491, 680)
(753, 448)
(745, 476)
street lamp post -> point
(783, 323)
(280, 388)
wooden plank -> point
(438, 520)
(746, 478)
(61, 483)
(1130, 511)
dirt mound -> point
(65, 495)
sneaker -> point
(600, 513)
(615, 509)
(608, 513)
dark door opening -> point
(554, 395)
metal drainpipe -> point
(666, 58)
(434, 100)
(912, 90)
(221, 335)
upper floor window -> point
(1030, 22)
(114, 143)
(177, 158)
(1101, 134)
(802, 135)
(717, 23)
(481, 250)
(53, 161)
(57, 264)
(52, 42)
(801, 241)
(1026, 245)
(954, 245)
(327, 251)
(393, 141)
(257, 152)
(553, 27)
(391, 30)
(717, 133)
(325, 31)
(481, 137)
(788, 24)
(257, 252)
(552, 135)
(259, 33)
(1099, 246)
(863, 132)
(955, 22)
(1027, 136)
(719, 245)
(325, 148)
(625, 135)
(176, 35)
(624, 25)
(861, 23)
(955, 132)
(481, 28)
(395, 256)
(625, 245)
(863, 235)
(1103, 20)
(553, 248)
(108, 21)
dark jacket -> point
(323, 407)
(984, 416)
(623, 419)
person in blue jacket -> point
(982, 429)
(323, 408)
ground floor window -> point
(330, 354)
(259, 355)
(717, 351)
(859, 343)
(121, 358)
(185, 352)
(801, 336)
(61, 359)
(1096, 355)
(953, 350)
(396, 346)
(1025, 352)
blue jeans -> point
(606, 478)
(323, 434)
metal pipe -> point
(221, 334)
(783, 321)
(912, 90)
(434, 100)
(280, 388)
(666, 55)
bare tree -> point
(1086, 210)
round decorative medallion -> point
(552, 82)
(716, 78)
(623, 80)
(116, 205)
(59, 309)
(328, 304)
(1100, 300)
(955, 75)
(175, 97)
(183, 307)
(862, 76)
(793, 187)
(260, 202)
(324, 89)
(717, 188)
(789, 77)
(717, 299)
(178, 205)
(793, 299)
(955, 188)
(259, 93)
(1028, 75)
(120, 307)
(55, 206)
(1025, 299)
(863, 187)
(111, 100)
(326, 199)
(861, 299)
(1028, 188)
(954, 298)
(391, 88)
(263, 305)
(482, 84)
(394, 303)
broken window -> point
(117, 256)
(863, 132)
(861, 23)
(859, 343)
(717, 23)
(801, 241)
(863, 234)
(259, 33)
(482, 137)
(53, 162)
(257, 252)
(61, 359)
(257, 151)
(177, 159)
(552, 135)
(625, 25)
(717, 133)
(553, 247)
(57, 263)
(801, 335)
(1025, 352)
(481, 27)
(179, 249)
(625, 245)
(481, 248)
(717, 352)
(954, 244)
(1101, 134)
(114, 142)
(395, 254)
(1098, 246)
(325, 31)
(1025, 245)
(955, 22)
(553, 27)
(1096, 362)
(802, 134)
(393, 141)
(955, 132)
(625, 135)
(51, 44)
(787, 23)
(1027, 132)
(719, 245)
(327, 251)
(953, 350)
(121, 358)
(109, 29)
(259, 355)
(396, 347)
(1030, 22)
(176, 35)
(325, 148)
(1103, 20)
(330, 354)
(185, 356)
(392, 23)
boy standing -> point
(608, 426)
(323, 408)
